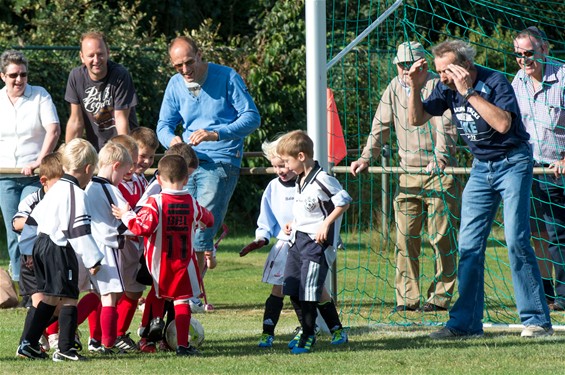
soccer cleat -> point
(111, 351)
(71, 355)
(94, 346)
(297, 333)
(196, 305)
(77, 344)
(447, 333)
(266, 341)
(339, 336)
(186, 351)
(304, 345)
(26, 350)
(536, 331)
(164, 346)
(53, 341)
(125, 343)
(156, 328)
(146, 346)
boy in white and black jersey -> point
(319, 203)
(63, 226)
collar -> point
(101, 180)
(311, 176)
(70, 179)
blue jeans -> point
(212, 184)
(509, 179)
(12, 191)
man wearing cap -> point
(428, 196)
(540, 90)
(487, 117)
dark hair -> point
(51, 166)
(146, 137)
(12, 57)
(186, 152)
(173, 168)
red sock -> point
(52, 328)
(87, 305)
(108, 320)
(182, 321)
(153, 308)
(94, 323)
(126, 311)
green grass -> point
(232, 333)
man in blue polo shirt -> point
(487, 117)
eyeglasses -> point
(15, 75)
(406, 65)
(525, 54)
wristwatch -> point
(470, 92)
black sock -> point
(40, 321)
(330, 315)
(27, 322)
(273, 308)
(67, 328)
(309, 313)
(548, 290)
(297, 308)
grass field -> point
(232, 333)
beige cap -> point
(409, 51)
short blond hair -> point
(270, 149)
(113, 152)
(77, 154)
(295, 142)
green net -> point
(366, 269)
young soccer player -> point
(147, 145)
(63, 226)
(50, 171)
(319, 203)
(168, 221)
(114, 161)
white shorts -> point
(129, 264)
(275, 263)
(108, 279)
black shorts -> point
(28, 282)
(56, 268)
(306, 269)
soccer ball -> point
(196, 305)
(195, 334)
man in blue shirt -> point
(487, 117)
(216, 112)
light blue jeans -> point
(12, 191)
(509, 179)
(212, 184)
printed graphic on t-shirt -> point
(100, 105)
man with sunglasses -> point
(216, 112)
(425, 197)
(540, 90)
(488, 119)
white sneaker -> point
(536, 331)
(53, 341)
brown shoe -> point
(430, 307)
(556, 307)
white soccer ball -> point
(195, 334)
(196, 305)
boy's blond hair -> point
(145, 137)
(77, 154)
(173, 168)
(128, 142)
(113, 152)
(186, 152)
(51, 167)
(270, 149)
(295, 142)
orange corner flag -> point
(337, 149)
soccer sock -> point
(169, 310)
(108, 322)
(43, 314)
(329, 313)
(297, 308)
(27, 322)
(67, 328)
(309, 313)
(182, 321)
(126, 311)
(273, 308)
(87, 305)
(94, 323)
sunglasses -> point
(15, 75)
(525, 54)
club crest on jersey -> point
(310, 204)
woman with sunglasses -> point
(29, 131)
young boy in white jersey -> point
(167, 221)
(276, 211)
(319, 204)
(63, 226)
(50, 171)
(114, 161)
